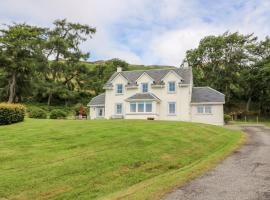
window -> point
(200, 109)
(119, 89)
(171, 86)
(133, 107)
(141, 107)
(208, 109)
(119, 109)
(148, 107)
(172, 108)
(144, 87)
(204, 109)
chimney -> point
(119, 69)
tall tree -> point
(21, 52)
(218, 61)
(63, 49)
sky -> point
(150, 32)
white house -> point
(160, 94)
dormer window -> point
(171, 86)
(119, 88)
(144, 87)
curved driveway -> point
(243, 176)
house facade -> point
(160, 94)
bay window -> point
(141, 107)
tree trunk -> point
(248, 104)
(49, 99)
(12, 88)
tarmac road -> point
(245, 175)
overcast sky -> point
(145, 31)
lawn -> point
(113, 159)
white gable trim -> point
(172, 71)
(144, 74)
(119, 75)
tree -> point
(21, 52)
(219, 60)
(63, 48)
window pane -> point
(119, 88)
(208, 109)
(133, 107)
(171, 108)
(140, 107)
(148, 107)
(172, 86)
(200, 109)
(118, 108)
(144, 87)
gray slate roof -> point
(206, 94)
(97, 100)
(143, 96)
(155, 74)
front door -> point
(100, 112)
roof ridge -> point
(143, 70)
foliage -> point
(11, 113)
(37, 113)
(77, 109)
(235, 64)
(97, 159)
(58, 114)
(227, 118)
(20, 56)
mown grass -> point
(113, 159)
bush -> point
(37, 113)
(58, 114)
(227, 118)
(11, 113)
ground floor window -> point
(141, 107)
(119, 108)
(172, 108)
(204, 109)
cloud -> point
(145, 31)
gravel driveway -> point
(243, 176)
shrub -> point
(227, 118)
(37, 113)
(58, 114)
(11, 113)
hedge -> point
(58, 114)
(11, 113)
(37, 113)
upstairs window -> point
(171, 86)
(172, 108)
(144, 87)
(119, 89)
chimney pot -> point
(119, 69)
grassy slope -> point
(65, 159)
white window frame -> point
(142, 84)
(169, 91)
(117, 89)
(206, 109)
(209, 110)
(117, 110)
(200, 109)
(134, 103)
(175, 109)
(144, 103)
(149, 103)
